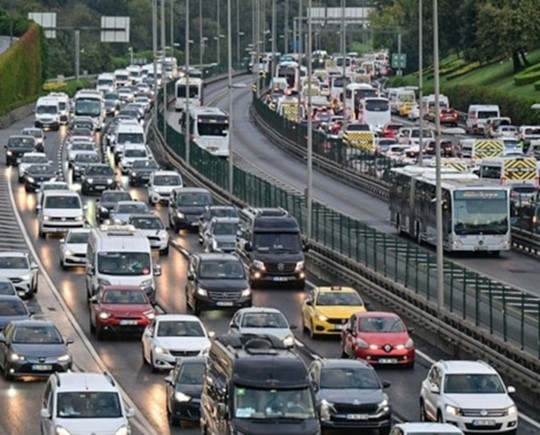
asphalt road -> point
(122, 356)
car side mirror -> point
(62, 241)
(33, 266)
(350, 330)
(69, 341)
(191, 277)
(410, 330)
(386, 384)
(233, 325)
(130, 413)
(169, 380)
(293, 327)
(2, 338)
(434, 389)
(248, 247)
(44, 413)
(511, 389)
(157, 270)
(85, 207)
(93, 300)
(211, 334)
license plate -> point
(338, 327)
(128, 322)
(483, 422)
(41, 367)
(480, 248)
(388, 360)
(224, 304)
(357, 417)
(99, 187)
(280, 278)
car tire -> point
(312, 333)
(439, 417)
(423, 415)
(92, 327)
(20, 179)
(41, 234)
(164, 252)
(177, 227)
(384, 431)
(35, 287)
(7, 375)
(27, 188)
(99, 333)
(153, 368)
(173, 421)
(62, 265)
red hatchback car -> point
(379, 338)
(120, 308)
(449, 116)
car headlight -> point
(146, 283)
(16, 357)
(68, 251)
(383, 404)
(299, 266)
(103, 282)
(109, 180)
(64, 358)
(103, 209)
(9, 153)
(361, 344)
(511, 410)
(246, 292)
(163, 235)
(123, 430)
(258, 264)
(409, 344)
(201, 291)
(133, 174)
(79, 218)
(322, 317)
(90, 180)
(77, 167)
(150, 314)
(30, 179)
(179, 215)
(104, 315)
(181, 397)
(452, 410)
(62, 431)
(288, 341)
(161, 350)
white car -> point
(29, 159)
(73, 248)
(60, 211)
(123, 209)
(21, 271)
(261, 320)
(130, 154)
(161, 184)
(425, 429)
(172, 336)
(78, 146)
(470, 395)
(152, 227)
(36, 133)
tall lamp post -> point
(187, 134)
(420, 80)
(230, 83)
(309, 193)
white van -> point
(477, 116)
(134, 74)
(59, 211)
(47, 113)
(128, 132)
(63, 106)
(121, 77)
(120, 255)
(106, 83)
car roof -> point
(79, 230)
(161, 172)
(335, 289)
(429, 428)
(339, 363)
(85, 381)
(60, 192)
(33, 322)
(226, 219)
(177, 317)
(13, 254)
(258, 310)
(464, 367)
(217, 256)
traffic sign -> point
(399, 61)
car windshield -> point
(135, 152)
(6, 288)
(218, 269)
(38, 169)
(49, 110)
(42, 334)
(38, 134)
(13, 263)
(222, 212)
(135, 207)
(288, 242)
(195, 199)
(473, 384)
(191, 374)
(78, 237)
(59, 201)
(343, 378)
(100, 170)
(115, 196)
(34, 159)
(264, 320)
(86, 158)
(146, 164)
(272, 404)
(124, 263)
(179, 328)
(381, 324)
(338, 298)
(225, 228)
(124, 297)
(81, 131)
(149, 223)
(13, 308)
(82, 146)
(87, 405)
(167, 180)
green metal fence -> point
(495, 308)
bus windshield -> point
(480, 212)
(212, 126)
(377, 105)
(87, 107)
(181, 91)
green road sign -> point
(399, 61)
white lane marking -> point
(139, 421)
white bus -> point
(121, 77)
(171, 67)
(194, 96)
(90, 102)
(476, 217)
(354, 94)
(374, 111)
(209, 129)
(291, 72)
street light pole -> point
(343, 43)
(231, 139)
(77, 53)
(273, 71)
(286, 31)
(309, 190)
(163, 73)
(187, 134)
(218, 33)
(201, 48)
(154, 50)
(172, 27)
(420, 80)
(438, 188)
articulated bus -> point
(354, 94)
(209, 129)
(195, 95)
(476, 217)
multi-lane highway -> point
(122, 356)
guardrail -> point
(480, 316)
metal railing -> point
(478, 314)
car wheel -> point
(7, 375)
(439, 417)
(99, 332)
(92, 327)
(165, 251)
(177, 227)
(21, 179)
(35, 287)
(410, 366)
(423, 415)
(41, 234)
(153, 368)
(312, 333)
(27, 188)
(173, 421)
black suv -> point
(186, 206)
(350, 395)
(16, 146)
(140, 171)
(217, 281)
(36, 175)
(97, 177)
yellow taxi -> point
(405, 108)
(327, 309)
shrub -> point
(463, 70)
(537, 85)
(528, 76)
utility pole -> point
(77, 53)
(420, 80)
(399, 72)
(230, 83)
(154, 50)
(309, 196)
(187, 134)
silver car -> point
(21, 271)
(73, 248)
(220, 234)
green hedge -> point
(537, 85)
(528, 76)
(21, 70)
(464, 69)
